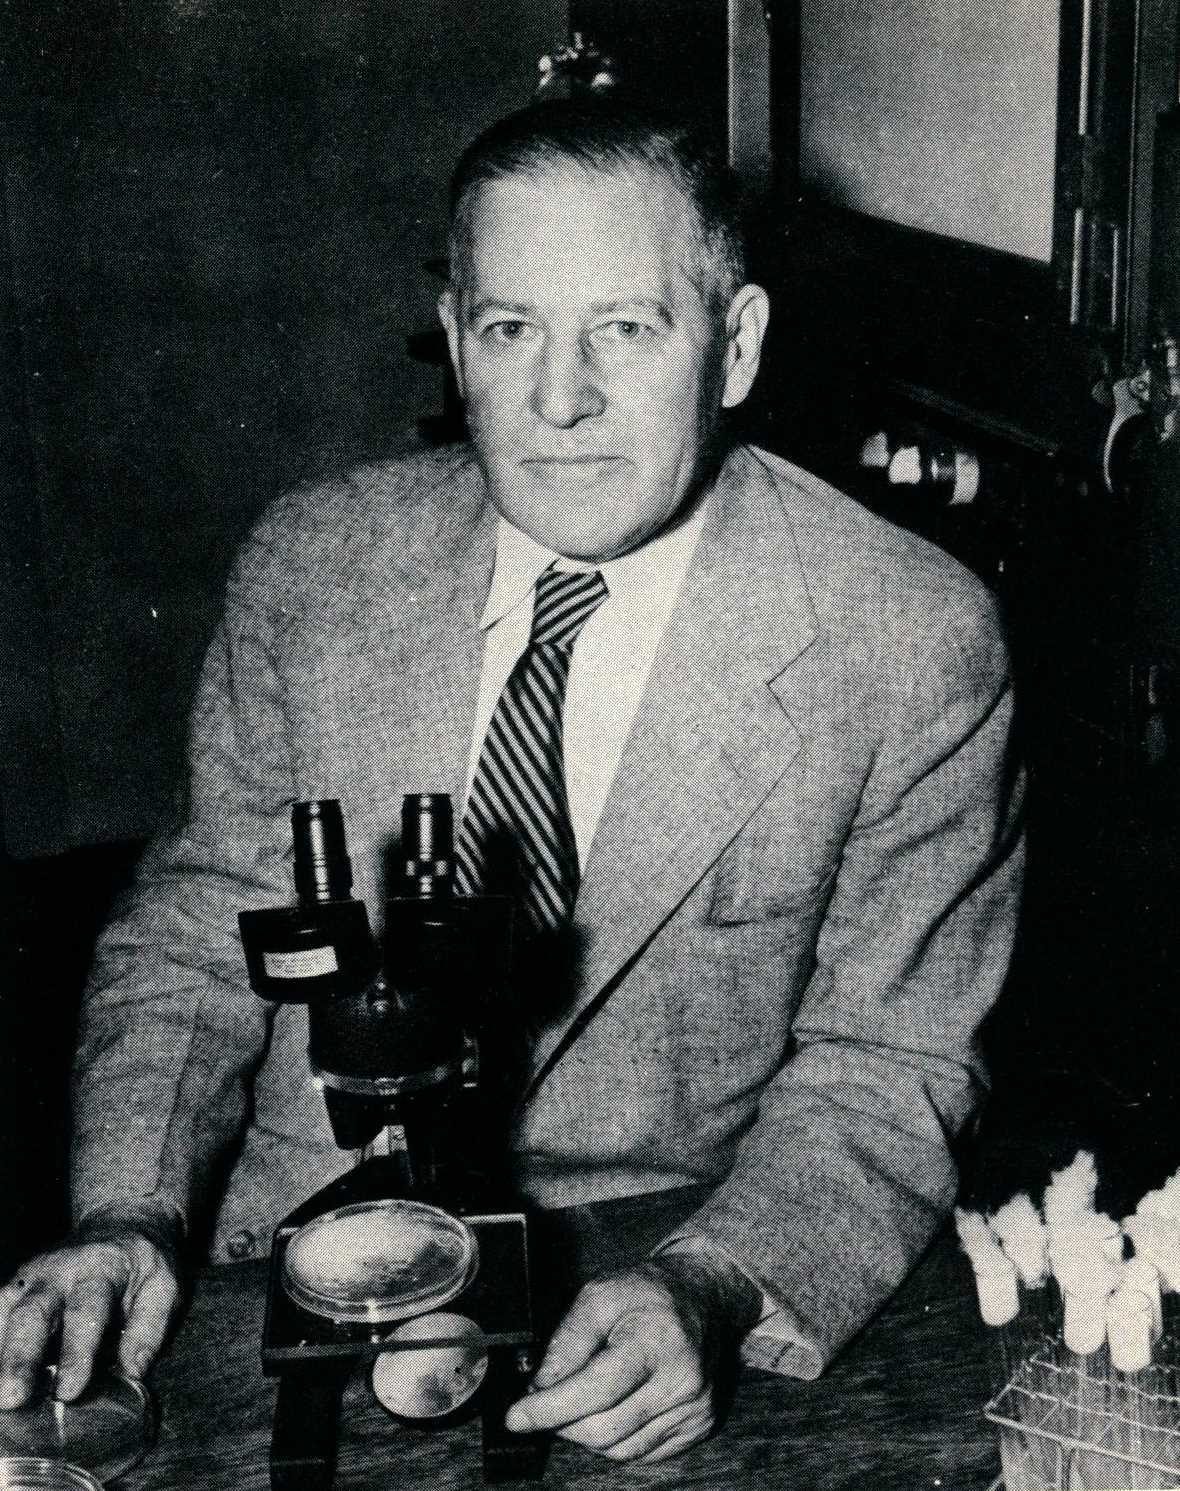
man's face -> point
(591, 367)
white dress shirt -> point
(611, 658)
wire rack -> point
(1070, 1423)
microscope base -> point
(508, 1457)
(307, 1427)
(313, 1357)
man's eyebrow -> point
(601, 308)
(640, 303)
(504, 307)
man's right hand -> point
(62, 1304)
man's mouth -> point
(572, 473)
(581, 460)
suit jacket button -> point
(240, 1246)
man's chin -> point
(568, 518)
(588, 547)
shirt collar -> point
(649, 577)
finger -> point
(31, 1279)
(676, 1443)
(84, 1322)
(673, 1429)
(573, 1343)
(608, 1379)
(629, 1420)
(31, 1324)
(10, 1296)
(147, 1321)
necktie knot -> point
(563, 603)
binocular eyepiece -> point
(392, 1021)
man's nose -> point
(566, 390)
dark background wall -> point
(214, 225)
(218, 216)
(673, 51)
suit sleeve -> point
(171, 1034)
(846, 1173)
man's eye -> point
(508, 331)
(624, 331)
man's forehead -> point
(576, 230)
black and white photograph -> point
(590, 745)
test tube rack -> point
(1075, 1423)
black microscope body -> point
(399, 1039)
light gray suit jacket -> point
(797, 907)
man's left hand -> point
(631, 1372)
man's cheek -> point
(662, 403)
(492, 408)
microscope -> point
(403, 1036)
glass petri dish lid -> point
(431, 1381)
(378, 1261)
(104, 1432)
(23, 1473)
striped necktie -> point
(517, 835)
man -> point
(782, 785)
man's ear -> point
(745, 327)
(448, 314)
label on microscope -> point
(303, 962)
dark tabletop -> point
(901, 1410)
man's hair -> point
(613, 138)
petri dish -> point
(378, 1261)
(104, 1432)
(428, 1382)
(23, 1473)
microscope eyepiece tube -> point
(323, 870)
(321, 947)
(428, 841)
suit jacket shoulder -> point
(878, 590)
(323, 545)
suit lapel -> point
(709, 743)
(430, 596)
